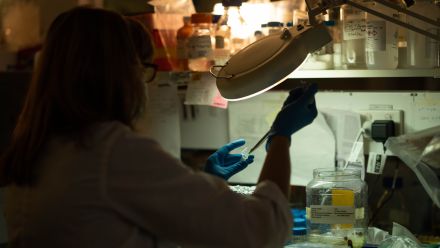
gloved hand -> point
(225, 165)
(299, 110)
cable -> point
(382, 202)
(358, 136)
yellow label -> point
(343, 197)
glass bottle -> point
(233, 26)
(336, 32)
(353, 37)
(222, 50)
(422, 51)
(274, 27)
(200, 48)
(264, 29)
(381, 39)
(300, 17)
(182, 37)
(336, 204)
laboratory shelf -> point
(432, 73)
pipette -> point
(261, 141)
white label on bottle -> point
(354, 29)
(199, 46)
(332, 214)
(376, 36)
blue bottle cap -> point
(299, 231)
(215, 18)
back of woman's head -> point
(90, 65)
(88, 72)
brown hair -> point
(142, 40)
(88, 72)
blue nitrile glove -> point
(225, 165)
(298, 111)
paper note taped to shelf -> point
(202, 90)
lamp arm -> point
(324, 5)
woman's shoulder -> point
(117, 132)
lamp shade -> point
(267, 62)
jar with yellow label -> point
(336, 205)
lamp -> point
(268, 62)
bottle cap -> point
(186, 19)
(215, 18)
(229, 3)
(299, 231)
(275, 24)
(201, 18)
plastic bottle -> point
(233, 26)
(353, 37)
(222, 50)
(423, 52)
(321, 59)
(327, 52)
(336, 32)
(299, 230)
(381, 39)
(401, 40)
(182, 36)
(221, 42)
(200, 48)
(336, 204)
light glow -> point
(254, 14)
(269, 87)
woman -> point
(78, 176)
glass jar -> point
(422, 51)
(381, 39)
(353, 37)
(336, 204)
(200, 45)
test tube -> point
(244, 153)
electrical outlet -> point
(368, 116)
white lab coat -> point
(123, 190)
